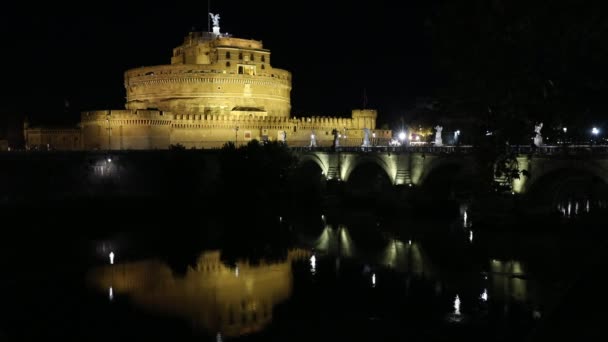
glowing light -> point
(409, 242)
(569, 208)
(595, 131)
(457, 306)
(374, 279)
(236, 271)
(322, 217)
(374, 135)
(465, 216)
(280, 218)
(313, 264)
(401, 136)
(565, 129)
(312, 136)
(109, 160)
(484, 295)
(471, 236)
(587, 206)
(218, 337)
(111, 293)
(111, 255)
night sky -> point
(76, 55)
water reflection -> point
(484, 295)
(408, 257)
(508, 280)
(573, 208)
(457, 306)
(335, 241)
(215, 297)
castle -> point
(217, 89)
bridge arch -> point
(438, 164)
(567, 180)
(321, 160)
(541, 170)
(351, 162)
(567, 185)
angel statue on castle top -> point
(215, 18)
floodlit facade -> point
(217, 89)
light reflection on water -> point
(335, 241)
(238, 300)
(573, 208)
(212, 295)
(409, 258)
(508, 280)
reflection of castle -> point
(233, 301)
(216, 89)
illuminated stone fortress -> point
(217, 89)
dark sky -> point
(79, 53)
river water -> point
(316, 277)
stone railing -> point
(560, 149)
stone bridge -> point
(414, 166)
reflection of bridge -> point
(414, 165)
(505, 279)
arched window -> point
(263, 58)
(251, 57)
(227, 54)
(240, 55)
(263, 67)
(227, 64)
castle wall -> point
(65, 139)
(202, 89)
(125, 130)
(145, 129)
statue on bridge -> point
(336, 142)
(538, 139)
(366, 138)
(313, 139)
(438, 140)
(283, 137)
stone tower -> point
(212, 74)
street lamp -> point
(595, 131)
(402, 137)
(456, 135)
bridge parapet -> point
(560, 150)
(465, 149)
